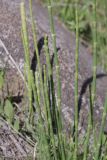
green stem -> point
(101, 130)
(58, 98)
(27, 58)
(76, 81)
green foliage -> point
(1, 78)
(9, 111)
(1, 108)
(16, 124)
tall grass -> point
(94, 52)
(46, 140)
(58, 100)
(93, 98)
(76, 80)
(27, 59)
(52, 142)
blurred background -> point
(65, 9)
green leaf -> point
(16, 124)
(9, 111)
(1, 78)
(1, 109)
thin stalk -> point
(27, 57)
(47, 109)
(37, 52)
(94, 53)
(47, 55)
(53, 34)
(101, 130)
(88, 129)
(47, 80)
(76, 81)
(43, 142)
(49, 118)
(37, 97)
(94, 61)
(58, 100)
(38, 88)
(51, 89)
(105, 17)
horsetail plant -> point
(97, 153)
(48, 112)
(58, 99)
(94, 52)
(27, 58)
(32, 89)
(53, 34)
(94, 62)
(76, 81)
(43, 144)
(86, 145)
(36, 49)
(51, 143)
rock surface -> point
(13, 145)
(10, 34)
